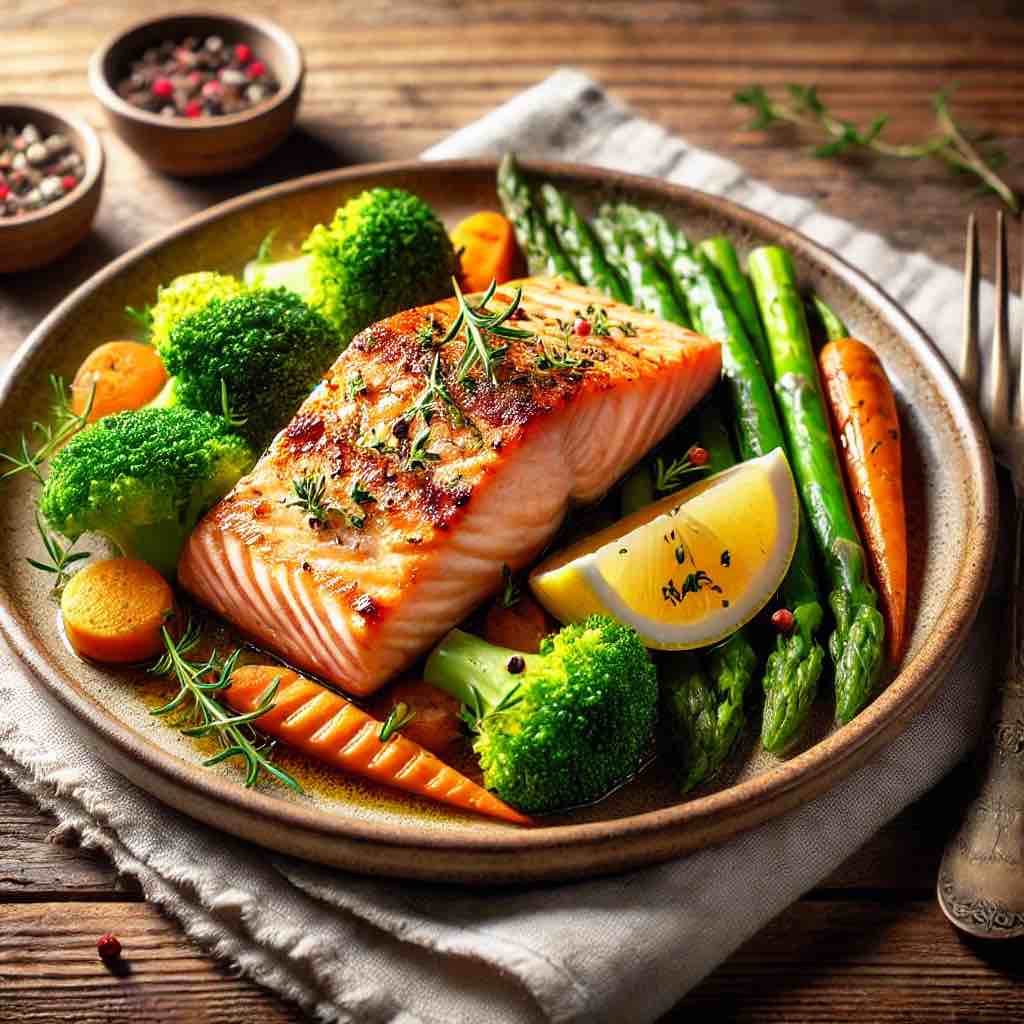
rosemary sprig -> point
(354, 385)
(474, 713)
(510, 592)
(479, 325)
(360, 495)
(668, 477)
(61, 558)
(552, 359)
(66, 423)
(398, 718)
(198, 683)
(418, 455)
(951, 144)
(311, 498)
(144, 318)
(434, 398)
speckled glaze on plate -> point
(951, 501)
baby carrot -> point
(318, 722)
(114, 609)
(126, 375)
(520, 626)
(864, 413)
(488, 250)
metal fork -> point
(981, 879)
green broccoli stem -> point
(463, 665)
(293, 274)
(159, 544)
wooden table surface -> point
(386, 80)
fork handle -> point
(981, 880)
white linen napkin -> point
(357, 949)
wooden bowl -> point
(196, 147)
(38, 238)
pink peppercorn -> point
(257, 69)
(243, 53)
(4, 192)
(699, 456)
(68, 182)
(213, 90)
(163, 88)
(581, 327)
(193, 109)
(108, 947)
(783, 620)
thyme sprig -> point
(669, 477)
(198, 684)
(311, 498)
(951, 145)
(418, 455)
(510, 592)
(435, 398)
(143, 318)
(552, 359)
(474, 712)
(480, 326)
(61, 558)
(398, 718)
(66, 423)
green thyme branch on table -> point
(963, 152)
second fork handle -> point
(981, 879)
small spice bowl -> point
(201, 146)
(38, 237)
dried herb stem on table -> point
(964, 152)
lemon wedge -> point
(688, 570)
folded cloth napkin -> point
(357, 949)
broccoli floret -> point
(143, 478)
(185, 295)
(558, 728)
(267, 347)
(384, 251)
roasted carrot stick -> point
(125, 374)
(865, 418)
(317, 722)
(487, 247)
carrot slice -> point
(318, 722)
(126, 375)
(520, 627)
(113, 610)
(864, 413)
(488, 250)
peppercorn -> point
(516, 665)
(581, 327)
(699, 456)
(783, 620)
(108, 947)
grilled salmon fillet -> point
(418, 486)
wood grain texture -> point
(385, 80)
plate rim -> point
(888, 715)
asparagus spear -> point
(652, 287)
(833, 327)
(536, 237)
(793, 669)
(579, 244)
(856, 644)
(706, 708)
(723, 257)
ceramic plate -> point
(952, 520)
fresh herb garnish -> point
(434, 397)
(360, 495)
(374, 443)
(398, 718)
(961, 151)
(198, 683)
(479, 324)
(310, 497)
(692, 584)
(669, 477)
(354, 385)
(60, 557)
(426, 332)
(473, 713)
(143, 317)
(66, 424)
(510, 593)
(263, 252)
(418, 454)
(551, 359)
